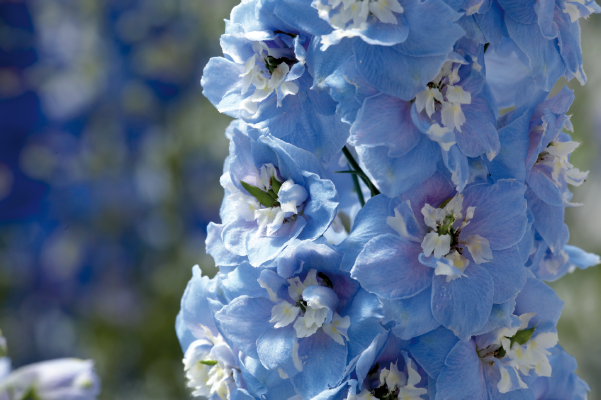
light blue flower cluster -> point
(433, 287)
(60, 379)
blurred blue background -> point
(110, 160)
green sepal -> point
(275, 184)
(208, 362)
(444, 203)
(325, 280)
(273, 195)
(522, 336)
(447, 225)
(258, 194)
(358, 173)
(31, 394)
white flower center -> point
(267, 71)
(523, 357)
(396, 385)
(275, 204)
(556, 157)
(444, 96)
(208, 366)
(312, 312)
(443, 240)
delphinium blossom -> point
(386, 226)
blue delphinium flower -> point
(461, 247)
(396, 139)
(437, 290)
(308, 319)
(274, 194)
(548, 32)
(502, 363)
(263, 80)
(214, 366)
(64, 379)
(537, 152)
(383, 370)
(563, 382)
(550, 267)
(382, 38)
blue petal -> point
(261, 381)
(307, 120)
(388, 266)
(545, 11)
(322, 64)
(525, 245)
(243, 281)
(538, 298)
(365, 312)
(563, 382)
(479, 134)
(548, 221)
(234, 236)
(581, 258)
(457, 164)
(300, 15)
(491, 24)
(220, 77)
(395, 176)
(463, 304)
(291, 160)
(433, 191)
(344, 93)
(277, 284)
(423, 41)
(380, 66)
(274, 348)
(511, 160)
(386, 34)
(216, 248)
(385, 121)
(492, 376)
(244, 320)
(501, 316)
(339, 393)
(195, 307)
(520, 10)
(462, 378)
(545, 61)
(569, 45)
(321, 208)
(369, 357)
(500, 215)
(413, 316)
(508, 273)
(539, 180)
(430, 350)
(369, 223)
(265, 248)
(324, 296)
(324, 363)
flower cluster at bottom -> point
(60, 379)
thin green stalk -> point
(358, 189)
(349, 156)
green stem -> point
(358, 189)
(349, 156)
